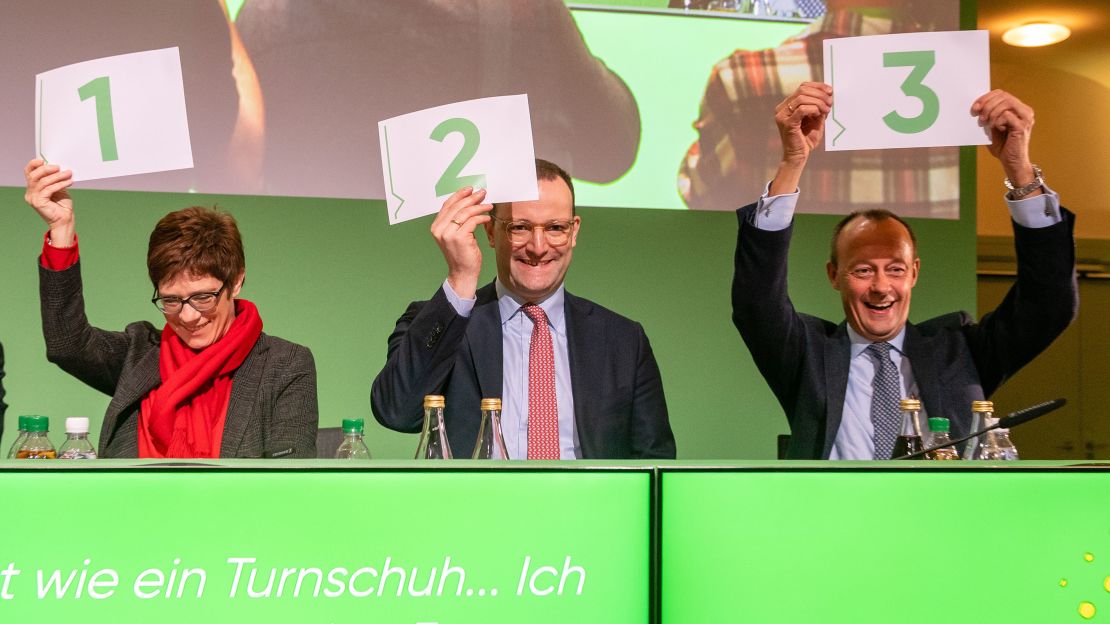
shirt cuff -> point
(463, 307)
(58, 258)
(1036, 212)
(774, 213)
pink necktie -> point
(543, 410)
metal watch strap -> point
(1018, 193)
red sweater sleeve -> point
(58, 258)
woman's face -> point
(199, 330)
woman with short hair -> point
(209, 383)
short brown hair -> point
(197, 241)
(874, 214)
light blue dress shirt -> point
(516, 343)
(854, 438)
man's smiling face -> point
(534, 269)
(875, 271)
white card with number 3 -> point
(906, 90)
(429, 154)
(114, 116)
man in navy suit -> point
(576, 380)
(831, 378)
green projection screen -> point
(227, 545)
(885, 545)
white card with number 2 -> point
(429, 154)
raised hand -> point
(453, 228)
(1010, 123)
(47, 194)
(801, 122)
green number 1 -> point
(921, 62)
(451, 181)
(98, 89)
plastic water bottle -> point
(37, 445)
(352, 446)
(19, 438)
(77, 445)
(938, 429)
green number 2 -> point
(451, 181)
(921, 61)
(99, 90)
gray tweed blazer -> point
(272, 411)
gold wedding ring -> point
(790, 108)
(456, 222)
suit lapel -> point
(582, 332)
(919, 350)
(145, 378)
(838, 355)
(245, 384)
(131, 389)
(483, 338)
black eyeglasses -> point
(556, 231)
(201, 302)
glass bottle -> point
(352, 446)
(994, 445)
(490, 444)
(19, 438)
(77, 445)
(37, 445)
(909, 436)
(433, 437)
(938, 434)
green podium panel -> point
(885, 545)
(401, 545)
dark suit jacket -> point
(619, 407)
(272, 410)
(955, 360)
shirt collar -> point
(860, 344)
(509, 305)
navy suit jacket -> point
(955, 360)
(619, 408)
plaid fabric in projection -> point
(738, 148)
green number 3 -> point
(921, 62)
(451, 181)
(100, 90)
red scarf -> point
(184, 417)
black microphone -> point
(1012, 419)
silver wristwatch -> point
(1018, 193)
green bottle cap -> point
(938, 424)
(23, 423)
(352, 425)
(38, 423)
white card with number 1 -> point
(906, 90)
(114, 116)
(429, 154)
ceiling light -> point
(1036, 34)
